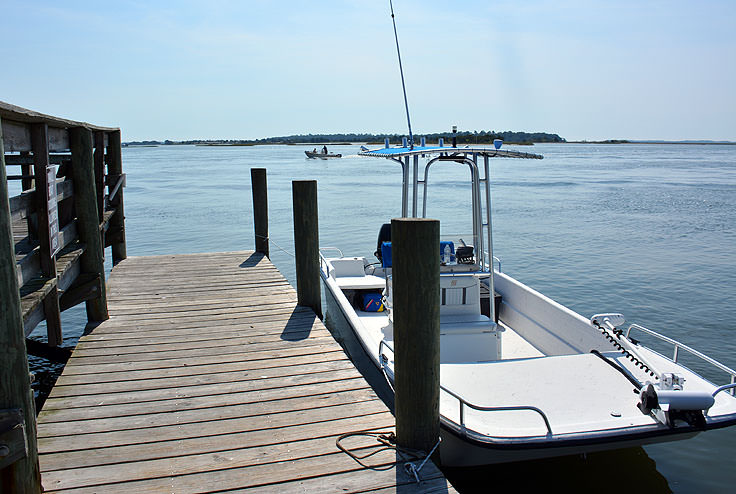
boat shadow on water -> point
(600, 472)
(616, 471)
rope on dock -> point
(388, 439)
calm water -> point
(645, 230)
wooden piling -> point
(85, 201)
(306, 244)
(22, 475)
(117, 222)
(41, 164)
(416, 298)
(260, 209)
(99, 137)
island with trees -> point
(481, 137)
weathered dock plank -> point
(206, 378)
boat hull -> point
(461, 449)
(322, 156)
(456, 451)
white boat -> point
(524, 377)
(321, 155)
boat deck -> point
(208, 378)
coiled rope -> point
(410, 457)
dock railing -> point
(54, 233)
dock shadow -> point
(300, 324)
(252, 260)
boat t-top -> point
(522, 376)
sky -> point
(586, 70)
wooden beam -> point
(87, 287)
(100, 171)
(113, 237)
(22, 476)
(22, 205)
(25, 158)
(117, 222)
(88, 227)
(26, 173)
(18, 114)
(47, 237)
(18, 137)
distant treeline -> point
(464, 137)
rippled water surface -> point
(646, 230)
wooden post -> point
(260, 209)
(99, 137)
(306, 244)
(41, 166)
(23, 475)
(415, 247)
(85, 201)
(117, 222)
(26, 170)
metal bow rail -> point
(676, 353)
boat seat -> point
(349, 273)
(365, 282)
(460, 297)
(347, 266)
(465, 325)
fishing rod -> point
(401, 70)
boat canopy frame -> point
(405, 156)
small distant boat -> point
(312, 154)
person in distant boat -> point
(324, 149)
(314, 150)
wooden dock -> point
(206, 378)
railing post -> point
(416, 313)
(22, 475)
(117, 222)
(99, 137)
(46, 240)
(260, 209)
(26, 169)
(85, 201)
(306, 244)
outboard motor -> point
(384, 235)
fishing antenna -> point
(401, 70)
